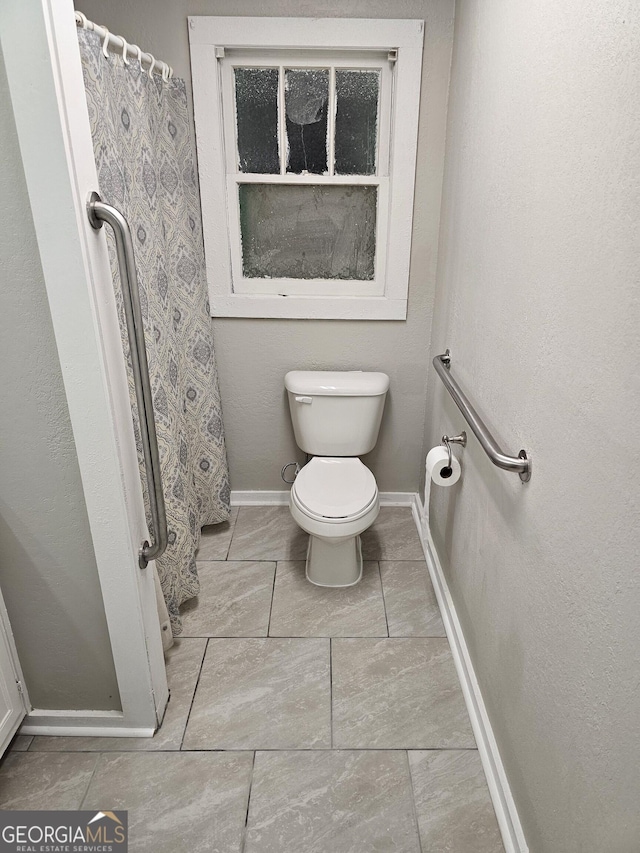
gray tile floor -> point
(301, 719)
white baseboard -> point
(503, 802)
(281, 498)
(397, 498)
(81, 724)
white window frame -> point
(215, 43)
(380, 180)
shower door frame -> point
(42, 59)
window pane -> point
(308, 232)
(356, 122)
(257, 119)
(306, 99)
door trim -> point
(20, 697)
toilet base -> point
(334, 563)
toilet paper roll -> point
(438, 470)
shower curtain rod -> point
(119, 43)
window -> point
(306, 133)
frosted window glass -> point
(308, 232)
(257, 119)
(306, 98)
(356, 122)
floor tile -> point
(397, 694)
(267, 533)
(262, 694)
(412, 608)
(30, 781)
(301, 609)
(455, 813)
(21, 743)
(184, 659)
(216, 538)
(331, 802)
(392, 536)
(176, 801)
(234, 600)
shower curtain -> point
(145, 162)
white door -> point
(13, 702)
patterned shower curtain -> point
(145, 161)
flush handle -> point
(307, 400)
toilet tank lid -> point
(336, 383)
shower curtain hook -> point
(124, 50)
(165, 72)
(107, 35)
(152, 66)
(139, 52)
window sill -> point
(309, 307)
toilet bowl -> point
(334, 499)
(336, 417)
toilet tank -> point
(335, 412)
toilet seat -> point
(335, 489)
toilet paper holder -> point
(448, 440)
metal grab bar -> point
(99, 212)
(520, 463)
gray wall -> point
(254, 355)
(48, 574)
(539, 300)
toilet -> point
(336, 418)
